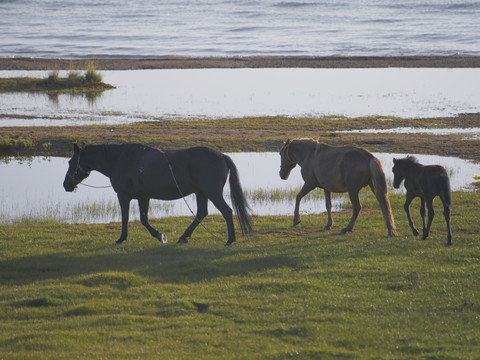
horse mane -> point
(410, 159)
(304, 140)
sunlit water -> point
(144, 95)
(32, 189)
(108, 28)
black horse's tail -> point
(238, 199)
(446, 190)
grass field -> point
(282, 293)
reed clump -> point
(74, 82)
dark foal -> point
(427, 182)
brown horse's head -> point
(76, 172)
(286, 164)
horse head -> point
(398, 173)
(286, 164)
(77, 170)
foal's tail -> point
(238, 199)
(379, 187)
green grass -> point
(90, 82)
(282, 293)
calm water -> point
(143, 95)
(108, 28)
(33, 189)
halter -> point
(78, 169)
(287, 147)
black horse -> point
(140, 172)
(427, 182)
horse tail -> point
(447, 192)
(238, 199)
(379, 187)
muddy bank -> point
(249, 134)
(177, 62)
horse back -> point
(339, 169)
(429, 181)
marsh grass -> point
(282, 293)
(88, 83)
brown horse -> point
(336, 169)
(425, 181)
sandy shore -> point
(175, 62)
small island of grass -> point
(90, 82)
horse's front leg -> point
(408, 201)
(431, 214)
(328, 205)
(356, 206)
(124, 209)
(143, 206)
(303, 191)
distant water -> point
(144, 28)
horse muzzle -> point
(69, 186)
(284, 174)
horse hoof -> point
(119, 242)
(415, 232)
(392, 233)
(182, 241)
(162, 238)
(344, 231)
(296, 222)
(326, 228)
(229, 242)
(424, 237)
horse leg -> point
(408, 201)
(202, 211)
(143, 206)
(356, 210)
(423, 213)
(124, 208)
(227, 214)
(306, 188)
(431, 214)
(328, 205)
(446, 213)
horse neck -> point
(300, 149)
(99, 158)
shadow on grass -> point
(170, 264)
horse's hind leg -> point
(406, 207)
(202, 211)
(143, 206)
(227, 214)
(356, 210)
(431, 214)
(328, 205)
(446, 213)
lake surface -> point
(32, 189)
(146, 28)
(144, 95)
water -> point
(33, 190)
(147, 28)
(143, 95)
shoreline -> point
(181, 62)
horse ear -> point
(286, 142)
(76, 149)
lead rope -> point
(183, 197)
